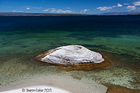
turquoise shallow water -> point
(117, 37)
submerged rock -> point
(70, 55)
(120, 89)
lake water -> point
(116, 37)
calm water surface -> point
(117, 37)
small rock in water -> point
(70, 55)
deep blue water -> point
(107, 25)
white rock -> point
(72, 54)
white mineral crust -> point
(73, 54)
